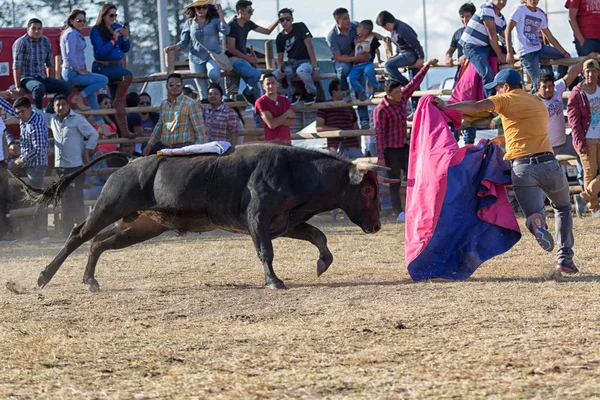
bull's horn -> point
(364, 167)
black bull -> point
(264, 190)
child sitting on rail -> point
(365, 42)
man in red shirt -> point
(275, 111)
(584, 18)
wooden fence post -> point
(170, 62)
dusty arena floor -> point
(188, 317)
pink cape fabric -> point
(469, 85)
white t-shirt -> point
(556, 122)
(528, 26)
(594, 129)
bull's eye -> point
(368, 190)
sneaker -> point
(580, 205)
(348, 96)
(365, 125)
(249, 98)
(362, 96)
(537, 225)
(596, 214)
(310, 99)
(401, 217)
(567, 268)
(294, 99)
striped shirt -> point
(220, 123)
(390, 119)
(32, 57)
(6, 110)
(342, 118)
(475, 32)
(179, 122)
(34, 141)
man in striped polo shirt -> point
(480, 39)
(339, 118)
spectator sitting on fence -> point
(201, 32)
(74, 69)
(221, 121)
(585, 23)
(528, 20)
(243, 63)
(295, 41)
(111, 41)
(6, 233)
(105, 104)
(341, 41)
(339, 118)
(180, 120)
(275, 111)
(33, 161)
(71, 152)
(31, 53)
(367, 43)
(134, 120)
(480, 39)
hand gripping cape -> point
(457, 210)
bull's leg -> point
(121, 236)
(264, 249)
(311, 234)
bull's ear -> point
(364, 167)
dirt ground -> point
(188, 317)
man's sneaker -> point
(362, 96)
(580, 205)
(249, 98)
(537, 225)
(294, 99)
(596, 214)
(568, 268)
(348, 96)
(401, 217)
(310, 99)
(365, 125)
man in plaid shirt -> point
(180, 119)
(389, 118)
(33, 161)
(221, 121)
(6, 110)
(31, 53)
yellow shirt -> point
(525, 122)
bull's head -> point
(361, 199)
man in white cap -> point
(534, 169)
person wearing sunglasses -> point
(74, 70)
(244, 63)
(295, 41)
(111, 41)
(201, 33)
(32, 52)
(111, 126)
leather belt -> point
(109, 62)
(537, 158)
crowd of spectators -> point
(191, 115)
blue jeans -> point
(91, 84)
(212, 70)
(249, 74)
(589, 46)
(368, 69)
(342, 71)
(36, 179)
(401, 60)
(531, 63)
(478, 56)
(114, 73)
(301, 68)
(39, 86)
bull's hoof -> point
(92, 285)
(277, 286)
(42, 281)
(322, 266)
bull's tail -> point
(53, 193)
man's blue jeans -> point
(342, 71)
(368, 69)
(478, 56)
(249, 74)
(39, 86)
(91, 84)
(589, 46)
(531, 63)
(401, 60)
(114, 73)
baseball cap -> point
(591, 64)
(508, 75)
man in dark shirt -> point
(407, 44)
(340, 118)
(243, 63)
(134, 120)
(296, 41)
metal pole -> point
(425, 39)
(351, 9)
(14, 16)
(277, 13)
(163, 30)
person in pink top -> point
(584, 18)
(275, 111)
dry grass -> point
(188, 318)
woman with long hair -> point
(74, 70)
(111, 41)
(205, 22)
(109, 123)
